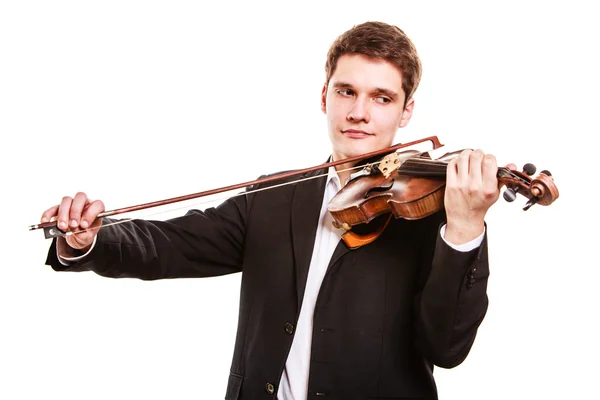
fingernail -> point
(62, 224)
(84, 224)
(44, 219)
(74, 223)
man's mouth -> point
(356, 133)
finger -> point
(463, 167)
(63, 212)
(511, 166)
(490, 172)
(452, 173)
(91, 213)
(475, 173)
(79, 202)
(49, 214)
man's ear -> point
(407, 113)
(324, 99)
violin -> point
(409, 184)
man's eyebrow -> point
(341, 85)
(387, 92)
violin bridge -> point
(389, 164)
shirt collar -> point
(332, 176)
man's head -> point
(383, 41)
(372, 72)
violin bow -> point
(51, 229)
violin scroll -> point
(540, 190)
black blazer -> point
(385, 315)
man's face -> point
(364, 104)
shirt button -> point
(270, 388)
(289, 328)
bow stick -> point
(51, 229)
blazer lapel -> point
(306, 206)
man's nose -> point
(359, 111)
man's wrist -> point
(466, 246)
(67, 255)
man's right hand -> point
(77, 214)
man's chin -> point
(364, 147)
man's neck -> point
(344, 172)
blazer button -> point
(270, 388)
(289, 328)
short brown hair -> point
(379, 40)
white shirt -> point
(294, 381)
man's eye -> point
(345, 92)
(382, 99)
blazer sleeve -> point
(198, 244)
(453, 300)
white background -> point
(135, 101)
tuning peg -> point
(529, 169)
(546, 172)
(509, 195)
(531, 202)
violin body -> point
(369, 196)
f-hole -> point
(379, 189)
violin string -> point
(424, 166)
(443, 164)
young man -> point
(318, 320)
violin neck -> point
(435, 169)
(423, 167)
